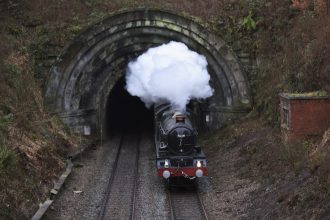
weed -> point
(4, 120)
(96, 16)
(307, 145)
(8, 159)
(75, 29)
(296, 154)
(248, 22)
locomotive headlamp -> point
(166, 174)
(166, 163)
(199, 163)
(199, 173)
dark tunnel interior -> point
(126, 112)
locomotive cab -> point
(177, 151)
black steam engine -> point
(177, 151)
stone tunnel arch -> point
(85, 73)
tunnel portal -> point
(82, 83)
(126, 112)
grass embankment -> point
(33, 143)
(294, 180)
(291, 49)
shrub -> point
(8, 157)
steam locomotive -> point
(177, 151)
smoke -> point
(169, 73)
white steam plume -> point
(169, 73)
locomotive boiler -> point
(177, 151)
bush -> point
(8, 158)
(4, 120)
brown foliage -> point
(320, 6)
(317, 54)
(301, 4)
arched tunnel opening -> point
(84, 90)
(126, 112)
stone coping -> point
(304, 96)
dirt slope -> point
(261, 178)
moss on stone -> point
(308, 94)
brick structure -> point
(320, 6)
(303, 117)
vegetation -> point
(8, 158)
(293, 178)
(33, 143)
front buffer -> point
(181, 166)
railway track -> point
(120, 196)
(185, 203)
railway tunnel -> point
(85, 87)
(124, 111)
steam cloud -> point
(169, 73)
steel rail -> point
(177, 206)
(110, 181)
(170, 205)
(114, 174)
(136, 172)
(202, 205)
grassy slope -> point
(293, 182)
(291, 48)
(33, 143)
